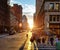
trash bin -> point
(58, 46)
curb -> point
(3, 35)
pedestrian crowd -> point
(51, 41)
(45, 41)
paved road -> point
(29, 45)
(12, 42)
(19, 41)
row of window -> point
(54, 18)
(53, 6)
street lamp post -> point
(20, 26)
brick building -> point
(48, 16)
(38, 17)
(4, 15)
(52, 16)
(13, 20)
(17, 11)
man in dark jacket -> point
(51, 40)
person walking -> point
(38, 41)
(43, 40)
(56, 39)
(27, 36)
(51, 40)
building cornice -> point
(52, 0)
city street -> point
(29, 24)
(12, 42)
(20, 41)
(17, 41)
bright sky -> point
(28, 7)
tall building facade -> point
(38, 16)
(24, 22)
(49, 16)
(13, 20)
(4, 15)
(17, 11)
(34, 19)
(52, 16)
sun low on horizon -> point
(28, 9)
(30, 22)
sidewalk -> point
(12, 42)
(46, 47)
(3, 35)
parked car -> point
(12, 32)
(4, 30)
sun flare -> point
(30, 23)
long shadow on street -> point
(22, 47)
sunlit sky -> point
(28, 7)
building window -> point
(51, 6)
(57, 6)
(8, 1)
(50, 18)
(54, 18)
(58, 18)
